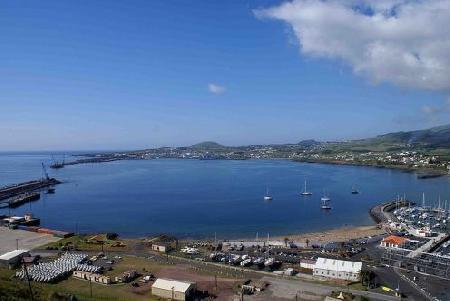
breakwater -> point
(26, 187)
(380, 213)
(87, 161)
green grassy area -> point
(82, 242)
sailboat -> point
(325, 202)
(306, 192)
(267, 197)
(355, 190)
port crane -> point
(44, 172)
(58, 164)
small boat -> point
(325, 202)
(306, 192)
(355, 190)
(51, 190)
(267, 197)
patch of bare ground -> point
(204, 282)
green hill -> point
(436, 138)
(208, 145)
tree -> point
(366, 277)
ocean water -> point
(191, 198)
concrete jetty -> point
(17, 189)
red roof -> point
(396, 240)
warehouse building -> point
(12, 259)
(337, 269)
(173, 289)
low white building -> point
(173, 289)
(12, 259)
(307, 263)
(337, 269)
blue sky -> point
(135, 74)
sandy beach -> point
(335, 235)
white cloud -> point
(434, 112)
(216, 89)
(404, 42)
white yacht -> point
(325, 202)
(267, 197)
(306, 192)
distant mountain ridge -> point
(432, 138)
(308, 143)
(435, 137)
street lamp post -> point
(28, 279)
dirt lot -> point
(204, 282)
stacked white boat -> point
(59, 268)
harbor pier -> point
(26, 187)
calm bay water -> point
(191, 198)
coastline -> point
(340, 234)
(422, 173)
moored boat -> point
(305, 191)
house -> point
(126, 276)
(337, 269)
(12, 259)
(393, 241)
(173, 289)
(92, 277)
(424, 232)
(160, 247)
